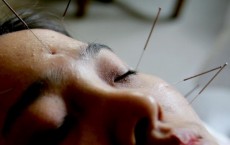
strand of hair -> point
(147, 41)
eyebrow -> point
(27, 97)
(94, 48)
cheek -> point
(174, 105)
(48, 111)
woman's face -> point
(63, 91)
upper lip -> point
(170, 134)
(187, 136)
(178, 136)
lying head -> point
(58, 90)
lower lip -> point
(193, 142)
(188, 138)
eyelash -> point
(125, 75)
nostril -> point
(145, 125)
(160, 113)
(141, 131)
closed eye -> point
(125, 75)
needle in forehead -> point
(24, 23)
(147, 41)
(66, 9)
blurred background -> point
(190, 37)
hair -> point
(34, 19)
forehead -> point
(24, 53)
(37, 40)
(25, 47)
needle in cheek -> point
(191, 91)
(209, 82)
(199, 74)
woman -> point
(57, 90)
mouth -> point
(187, 137)
(178, 136)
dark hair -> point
(34, 19)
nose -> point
(133, 117)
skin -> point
(80, 88)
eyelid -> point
(129, 72)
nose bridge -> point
(132, 105)
(123, 116)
